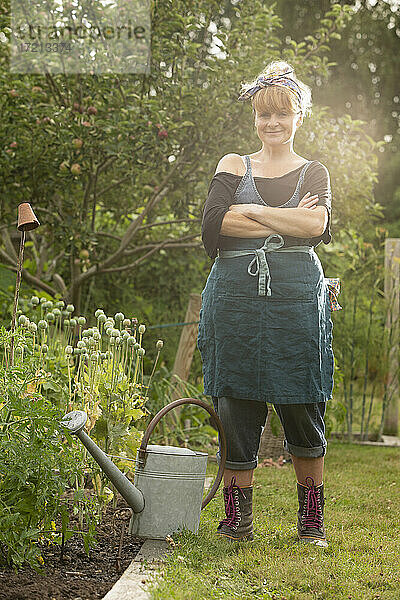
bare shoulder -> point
(231, 163)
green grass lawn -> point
(362, 518)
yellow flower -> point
(53, 525)
(40, 559)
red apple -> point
(162, 133)
(14, 145)
(36, 88)
(76, 169)
(86, 124)
(64, 166)
(46, 120)
(13, 93)
(92, 110)
(78, 143)
(149, 123)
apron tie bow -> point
(260, 260)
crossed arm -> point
(255, 220)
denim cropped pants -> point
(244, 421)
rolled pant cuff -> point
(302, 452)
(238, 466)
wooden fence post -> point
(392, 279)
(187, 345)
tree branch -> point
(132, 229)
(138, 261)
(86, 195)
(112, 185)
(167, 242)
(169, 223)
(121, 91)
(99, 169)
(9, 246)
(148, 254)
(53, 263)
(110, 235)
(6, 257)
(37, 283)
(109, 160)
(49, 212)
(55, 91)
(171, 245)
(59, 281)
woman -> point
(265, 331)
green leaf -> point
(186, 124)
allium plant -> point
(99, 369)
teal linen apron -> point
(265, 330)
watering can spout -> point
(74, 422)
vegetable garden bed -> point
(74, 575)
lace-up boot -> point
(310, 516)
(238, 524)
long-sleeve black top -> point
(274, 191)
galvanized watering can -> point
(169, 481)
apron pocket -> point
(291, 291)
(238, 339)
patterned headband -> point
(274, 79)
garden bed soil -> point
(76, 576)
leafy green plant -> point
(37, 464)
(62, 365)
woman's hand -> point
(243, 209)
(308, 201)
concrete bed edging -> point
(133, 583)
(144, 568)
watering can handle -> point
(215, 420)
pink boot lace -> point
(230, 505)
(312, 516)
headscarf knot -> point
(279, 79)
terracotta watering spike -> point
(26, 222)
(26, 217)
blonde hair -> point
(275, 98)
